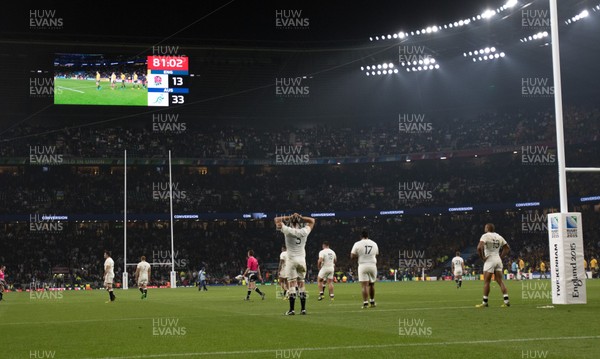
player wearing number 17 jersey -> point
(366, 251)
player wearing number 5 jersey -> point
(492, 248)
(366, 251)
(296, 235)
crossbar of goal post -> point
(152, 264)
(582, 169)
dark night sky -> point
(339, 33)
(243, 21)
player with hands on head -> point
(295, 236)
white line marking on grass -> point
(369, 310)
(353, 347)
(70, 89)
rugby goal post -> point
(565, 232)
(173, 274)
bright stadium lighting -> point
(395, 71)
(502, 54)
(370, 38)
(390, 65)
(384, 66)
(437, 66)
(510, 3)
(378, 72)
(362, 68)
(389, 37)
(395, 36)
(488, 14)
(368, 67)
(367, 73)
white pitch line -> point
(353, 347)
(70, 89)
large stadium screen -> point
(120, 80)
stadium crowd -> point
(72, 254)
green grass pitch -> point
(411, 320)
(84, 92)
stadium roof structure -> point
(238, 50)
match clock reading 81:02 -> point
(167, 80)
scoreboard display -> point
(167, 80)
(120, 80)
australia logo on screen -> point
(157, 81)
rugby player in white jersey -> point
(295, 236)
(281, 272)
(458, 269)
(492, 248)
(366, 251)
(109, 275)
(142, 276)
(326, 265)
